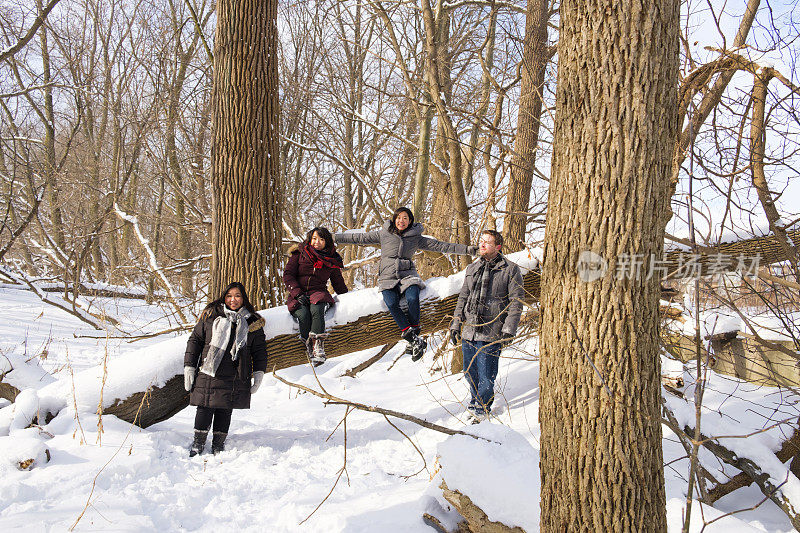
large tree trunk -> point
(534, 61)
(247, 204)
(616, 125)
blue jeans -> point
(392, 299)
(480, 368)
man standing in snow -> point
(486, 318)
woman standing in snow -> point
(229, 347)
(310, 266)
(399, 238)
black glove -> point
(455, 336)
(303, 299)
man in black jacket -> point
(486, 318)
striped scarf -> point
(221, 336)
(480, 287)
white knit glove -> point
(258, 376)
(188, 377)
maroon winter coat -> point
(308, 272)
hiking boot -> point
(309, 346)
(319, 355)
(409, 348)
(416, 344)
(198, 443)
(477, 416)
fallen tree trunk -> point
(8, 392)
(283, 351)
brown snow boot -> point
(319, 356)
(309, 345)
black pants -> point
(310, 318)
(222, 419)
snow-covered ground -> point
(284, 455)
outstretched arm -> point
(429, 243)
(358, 238)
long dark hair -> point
(210, 308)
(397, 211)
(324, 234)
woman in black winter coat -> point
(310, 266)
(226, 349)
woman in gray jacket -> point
(399, 238)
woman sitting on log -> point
(399, 238)
(229, 348)
(310, 266)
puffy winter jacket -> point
(305, 273)
(230, 388)
(397, 250)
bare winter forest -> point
(156, 150)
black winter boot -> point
(198, 443)
(409, 335)
(218, 442)
(419, 345)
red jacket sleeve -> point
(290, 276)
(337, 281)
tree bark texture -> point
(534, 61)
(247, 208)
(615, 128)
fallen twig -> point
(369, 362)
(333, 400)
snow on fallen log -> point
(146, 386)
(18, 373)
(22, 453)
(493, 484)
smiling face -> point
(401, 222)
(487, 247)
(317, 242)
(234, 299)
